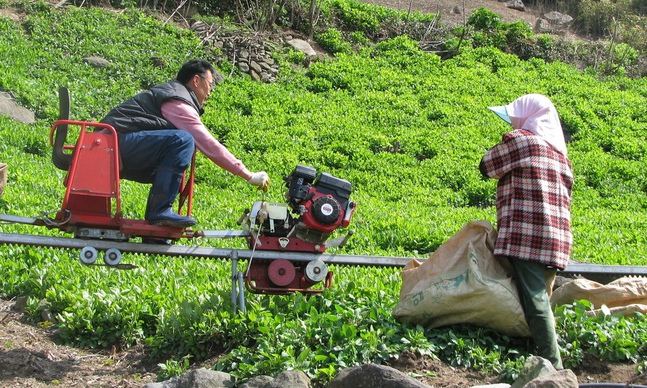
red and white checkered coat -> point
(533, 199)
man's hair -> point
(197, 66)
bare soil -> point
(455, 12)
(31, 357)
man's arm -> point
(185, 117)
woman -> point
(533, 208)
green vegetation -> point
(405, 127)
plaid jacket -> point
(533, 199)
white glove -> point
(260, 179)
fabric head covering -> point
(537, 114)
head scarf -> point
(537, 114)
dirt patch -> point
(453, 13)
(11, 14)
(31, 358)
(438, 374)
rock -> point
(21, 301)
(558, 19)
(533, 367)
(542, 26)
(200, 26)
(500, 385)
(198, 378)
(258, 382)
(243, 54)
(374, 376)
(243, 67)
(303, 46)
(292, 379)
(564, 378)
(97, 62)
(9, 107)
(255, 75)
(255, 66)
(516, 4)
(553, 22)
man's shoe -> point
(168, 218)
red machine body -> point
(318, 204)
(91, 206)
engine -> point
(316, 205)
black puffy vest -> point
(144, 111)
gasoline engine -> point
(316, 205)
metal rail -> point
(200, 252)
(600, 273)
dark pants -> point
(531, 284)
(158, 157)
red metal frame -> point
(258, 280)
(92, 184)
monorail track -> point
(596, 272)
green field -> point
(405, 127)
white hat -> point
(502, 112)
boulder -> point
(373, 376)
(303, 46)
(533, 368)
(97, 62)
(258, 382)
(553, 22)
(198, 378)
(291, 379)
(9, 107)
(516, 4)
(564, 378)
(558, 19)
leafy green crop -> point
(406, 128)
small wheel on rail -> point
(112, 257)
(88, 255)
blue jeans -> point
(143, 152)
(158, 157)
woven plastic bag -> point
(624, 296)
(462, 283)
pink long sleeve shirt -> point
(185, 117)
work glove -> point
(260, 179)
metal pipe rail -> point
(200, 252)
(602, 273)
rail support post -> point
(237, 285)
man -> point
(158, 131)
(533, 208)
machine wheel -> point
(112, 257)
(316, 270)
(88, 255)
(281, 272)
